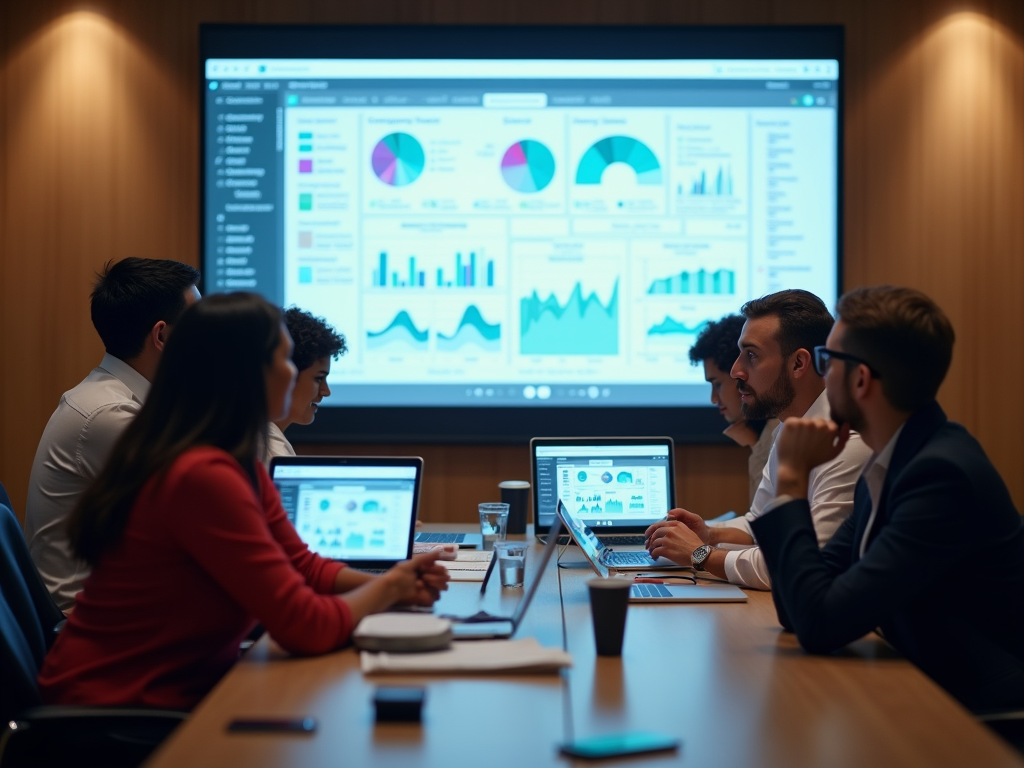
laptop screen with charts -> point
(603, 558)
(614, 484)
(360, 511)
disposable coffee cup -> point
(609, 599)
(516, 493)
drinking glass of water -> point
(511, 562)
(493, 523)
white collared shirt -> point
(829, 491)
(75, 445)
(874, 477)
(277, 444)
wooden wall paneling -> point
(99, 159)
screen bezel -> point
(548, 442)
(516, 425)
(362, 461)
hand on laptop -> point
(674, 540)
(694, 522)
(421, 580)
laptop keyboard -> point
(440, 538)
(628, 558)
(622, 541)
(650, 590)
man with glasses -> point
(929, 500)
(777, 379)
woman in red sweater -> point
(188, 541)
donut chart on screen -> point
(619, 149)
(398, 159)
(528, 166)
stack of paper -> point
(485, 656)
(469, 565)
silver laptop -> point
(483, 626)
(650, 593)
(358, 510)
(596, 551)
(618, 485)
(462, 540)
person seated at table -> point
(929, 504)
(316, 344)
(186, 536)
(134, 307)
(716, 347)
(777, 379)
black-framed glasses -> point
(823, 354)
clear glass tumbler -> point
(493, 523)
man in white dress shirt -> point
(134, 305)
(777, 379)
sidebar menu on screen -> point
(242, 178)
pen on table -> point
(490, 567)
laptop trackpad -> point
(482, 630)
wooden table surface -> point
(722, 677)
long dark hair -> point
(209, 389)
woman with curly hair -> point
(316, 344)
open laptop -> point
(649, 593)
(483, 626)
(596, 551)
(617, 485)
(359, 510)
(463, 540)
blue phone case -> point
(619, 744)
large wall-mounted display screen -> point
(498, 222)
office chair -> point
(41, 736)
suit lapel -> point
(916, 432)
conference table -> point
(724, 678)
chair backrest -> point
(28, 616)
(4, 498)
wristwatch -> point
(700, 554)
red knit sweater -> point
(159, 620)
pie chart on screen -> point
(398, 159)
(528, 166)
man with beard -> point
(928, 498)
(716, 348)
(777, 379)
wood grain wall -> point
(99, 160)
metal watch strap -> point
(700, 554)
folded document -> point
(526, 655)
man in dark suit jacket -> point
(933, 554)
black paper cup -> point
(516, 493)
(609, 599)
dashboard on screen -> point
(498, 222)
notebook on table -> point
(357, 510)
(617, 485)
